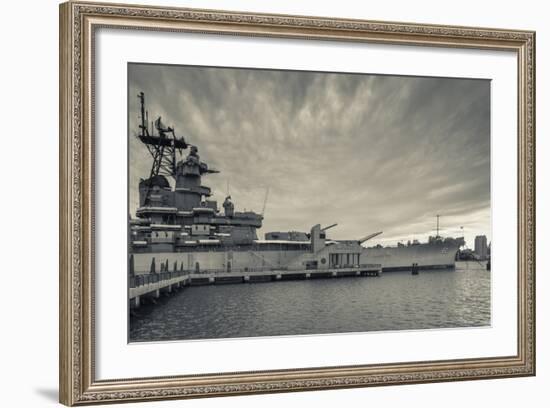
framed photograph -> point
(256, 203)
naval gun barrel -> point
(364, 239)
(329, 227)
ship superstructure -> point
(182, 226)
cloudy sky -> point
(369, 152)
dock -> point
(152, 285)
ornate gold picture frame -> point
(79, 22)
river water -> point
(394, 301)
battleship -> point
(181, 228)
(437, 253)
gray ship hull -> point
(439, 255)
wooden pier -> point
(153, 284)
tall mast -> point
(162, 146)
(265, 200)
(437, 235)
(143, 126)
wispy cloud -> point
(370, 152)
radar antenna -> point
(162, 146)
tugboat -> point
(182, 228)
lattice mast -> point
(162, 146)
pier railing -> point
(237, 270)
(152, 284)
(149, 278)
(280, 269)
(360, 266)
(140, 280)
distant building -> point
(481, 247)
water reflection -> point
(395, 301)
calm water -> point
(395, 301)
